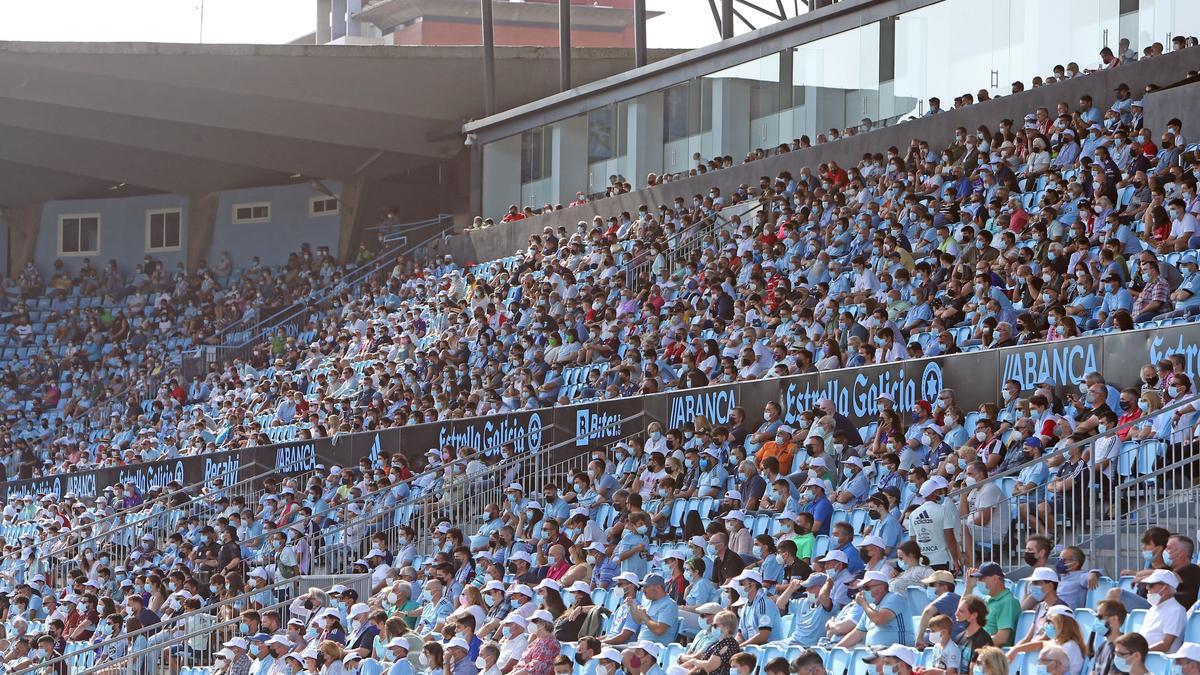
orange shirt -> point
(783, 453)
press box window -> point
(79, 234)
(163, 230)
(252, 213)
(322, 206)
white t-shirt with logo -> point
(927, 526)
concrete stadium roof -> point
(77, 119)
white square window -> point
(79, 234)
(258, 212)
(163, 229)
(322, 206)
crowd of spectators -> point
(86, 353)
(1068, 221)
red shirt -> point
(1130, 416)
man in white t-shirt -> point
(987, 512)
(1166, 619)
(932, 525)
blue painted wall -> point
(122, 232)
(123, 228)
(289, 227)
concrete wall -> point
(500, 241)
(289, 227)
(123, 229)
(1179, 102)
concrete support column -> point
(501, 176)
(644, 129)
(324, 8)
(339, 19)
(569, 170)
(731, 116)
(23, 225)
(350, 204)
(201, 221)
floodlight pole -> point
(564, 45)
(726, 19)
(489, 58)
(639, 33)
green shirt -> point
(1003, 612)
(804, 545)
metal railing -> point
(73, 658)
(291, 319)
(682, 245)
(121, 539)
(177, 647)
(1102, 509)
(460, 500)
(533, 470)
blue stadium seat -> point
(1024, 623)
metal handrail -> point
(1064, 450)
(147, 630)
(266, 534)
(110, 534)
(166, 495)
(352, 280)
(181, 639)
(957, 495)
(468, 478)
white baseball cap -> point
(835, 556)
(735, 515)
(628, 576)
(750, 575)
(1160, 577)
(872, 575)
(1189, 651)
(580, 587)
(238, 642)
(873, 540)
(1047, 574)
(932, 485)
(651, 648)
(905, 654)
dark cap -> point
(989, 570)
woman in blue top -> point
(633, 544)
(630, 462)
(700, 589)
(763, 551)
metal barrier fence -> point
(80, 656)
(292, 318)
(460, 501)
(1109, 491)
(194, 644)
(681, 245)
(156, 517)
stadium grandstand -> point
(915, 392)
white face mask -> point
(1153, 599)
